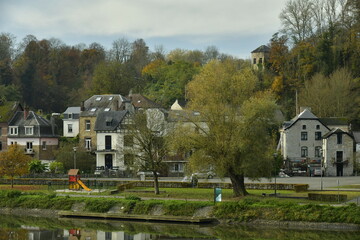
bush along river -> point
(38, 228)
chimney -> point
(26, 112)
(82, 108)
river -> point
(34, 228)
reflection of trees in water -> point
(11, 229)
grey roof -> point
(42, 126)
(99, 103)
(336, 130)
(262, 48)
(304, 115)
(73, 110)
(357, 137)
(334, 121)
(114, 118)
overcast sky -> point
(235, 27)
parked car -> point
(206, 175)
(147, 173)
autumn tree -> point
(14, 162)
(331, 96)
(235, 136)
(149, 147)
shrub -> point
(301, 187)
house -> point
(338, 153)
(35, 134)
(260, 56)
(111, 139)
(303, 138)
(90, 109)
(71, 121)
(139, 102)
(7, 111)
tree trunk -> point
(156, 183)
(12, 182)
(238, 182)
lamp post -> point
(74, 148)
(321, 169)
(275, 163)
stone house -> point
(260, 56)
(7, 111)
(302, 140)
(90, 109)
(71, 122)
(35, 134)
(338, 153)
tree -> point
(56, 167)
(147, 131)
(231, 130)
(14, 162)
(36, 166)
(330, 96)
(85, 161)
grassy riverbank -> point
(244, 210)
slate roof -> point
(140, 101)
(304, 115)
(100, 103)
(357, 137)
(8, 109)
(73, 110)
(335, 131)
(113, 117)
(334, 121)
(42, 126)
(262, 48)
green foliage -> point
(36, 166)
(57, 167)
(133, 198)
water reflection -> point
(33, 228)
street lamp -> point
(74, 148)
(321, 169)
(275, 163)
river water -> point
(34, 228)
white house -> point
(71, 122)
(338, 153)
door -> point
(339, 163)
(108, 161)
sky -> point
(235, 27)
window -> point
(29, 130)
(70, 128)
(317, 151)
(98, 98)
(44, 145)
(317, 135)
(87, 125)
(13, 130)
(29, 145)
(304, 151)
(317, 126)
(128, 141)
(178, 167)
(0, 131)
(303, 136)
(0, 146)
(70, 116)
(108, 142)
(254, 61)
(93, 109)
(260, 60)
(88, 143)
(303, 127)
(339, 138)
(111, 98)
(106, 109)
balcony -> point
(29, 151)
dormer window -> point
(70, 116)
(98, 98)
(29, 130)
(93, 110)
(107, 109)
(111, 98)
(13, 130)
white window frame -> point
(70, 128)
(88, 143)
(29, 130)
(13, 130)
(43, 145)
(87, 125)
